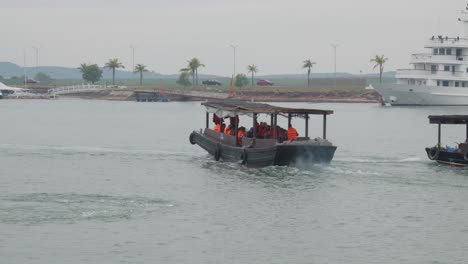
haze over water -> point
(119, 182)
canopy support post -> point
(439, 136)
(271, 120)
(236, 127)
(466, 140)
(324, 126)
(254, 126)
(275, 132)
(207, 120)
(307, 126)
(289, 119)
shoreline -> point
(365, 96)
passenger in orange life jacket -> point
(240, 134)
(217, 127)
(229, 130)
(292, 133)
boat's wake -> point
(54, 151)
(378, 160)
(43, 208)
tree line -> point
(240, 80)
(93, 73)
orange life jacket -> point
(240, 133)
(292, 133)
(227, 131)
(217, 128)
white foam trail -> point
(383, 160)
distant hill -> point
(8, 69)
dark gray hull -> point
(251, 157)
(452, 158)
(284, 154)
(303, 154)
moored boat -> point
(264, 145)
(453, 156)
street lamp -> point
(234, 47)
(36, 49)
(133, 58)
(24, 70)
(335, 46)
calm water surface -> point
(118, 182)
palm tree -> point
(113, 64)
(252, 69)
(379, 61)
(193, 65)
(189, 71)
(308, 64)
(140, 68)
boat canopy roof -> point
(449, 119)
(230, 108)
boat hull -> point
(303, 154)
(399, 94)
(451, 158)
(250, 157)
(298, 154)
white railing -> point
(440, 59)
(428, 74)
(77, 89)
(443, 42)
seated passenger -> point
(292, 133)
(233, 121)
(217, 127)
(250, 133)
(229, 130)
(240, 135)
(223, 127)
(216, 119)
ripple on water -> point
(50, 151)
(43, 208)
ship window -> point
(463, 84)
(446, 68)
(441, 51)
(467, 70)
(457, 84)
(438, 83)
(434, 68)
(445, 83)
(436, 51)
(449, 51)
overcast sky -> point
(276, 35)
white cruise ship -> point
(439, 77)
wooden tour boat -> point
(255, 150)
(454, 156)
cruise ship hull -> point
(398, 94)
